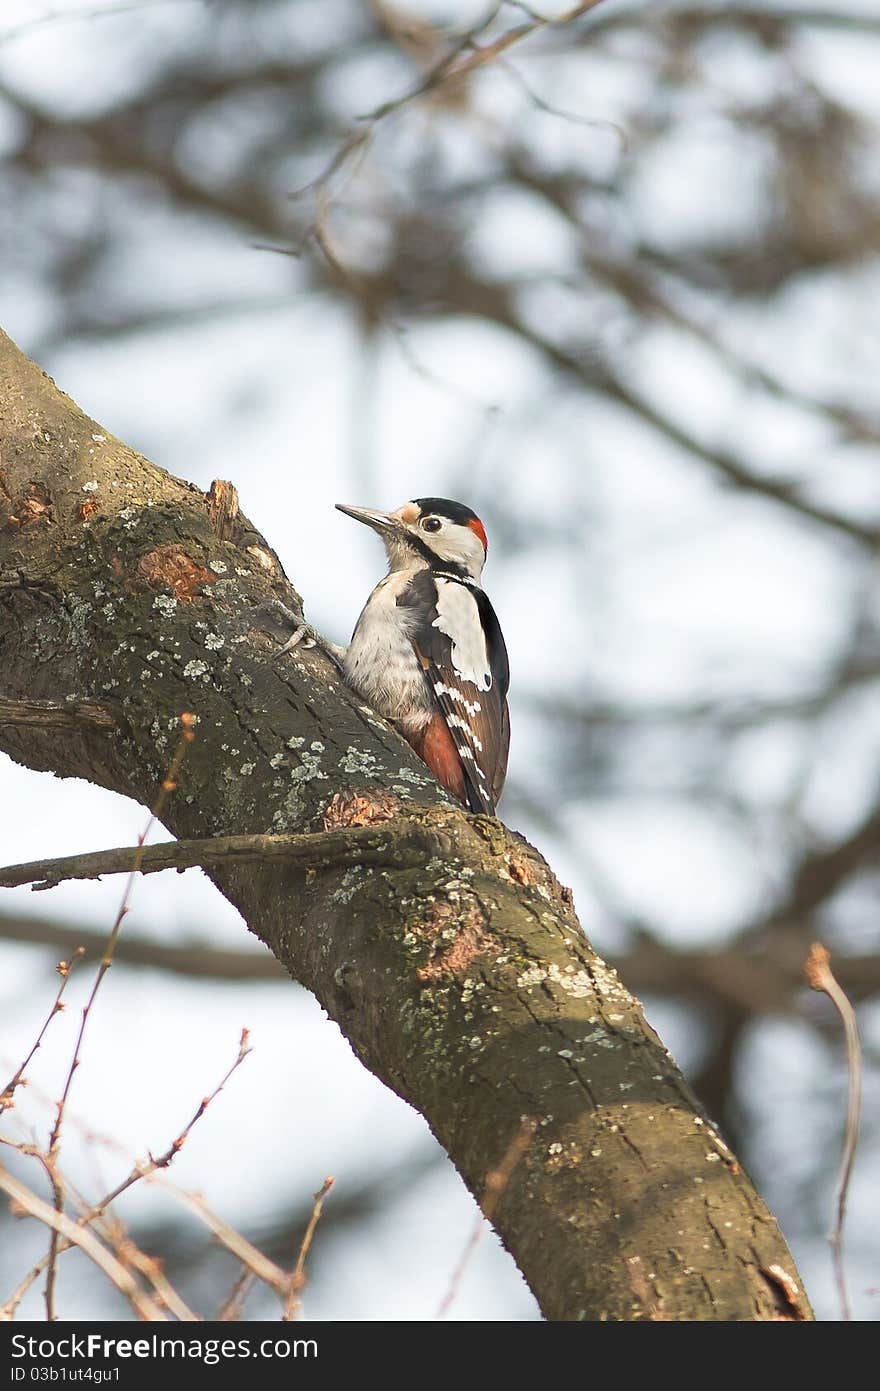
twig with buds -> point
(819, 976)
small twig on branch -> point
(150, 1267)
(439, 71)
(70, 716)
(127, 1250)
(86, 1240)
(169, 784)
(64, 968)
(144, 1170)
(298, 1278)
(466, 55)
(129, 1254)
(462, 58)
(230, 1311)
(354, 845)
(249, 1255)
(819, 976)
(496, 1182)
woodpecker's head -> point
(442, 534)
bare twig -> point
(127, 1251)
(53, 715)
(496, 1182)
(232, 1306)
(249, 1255)
(359, 845)
(86, 1240)
(7, 1310)
(64, 968)
(144, 1170)
(819, 975)
(168, 786)
(298, 1278)
(150, 1267)
(439, 71)
(285, 1285)
(463, 57)
(454, 65)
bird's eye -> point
(431, 524)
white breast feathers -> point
(380, 663)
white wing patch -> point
(459, 618)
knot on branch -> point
(171, 567)
(360, 809)
(470, 939)
(30, 507)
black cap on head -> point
(445, 507)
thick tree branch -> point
(463, 980)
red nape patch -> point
(477, 526)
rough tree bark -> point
(452, 959)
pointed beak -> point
(379, 521)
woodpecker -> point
(427, 652)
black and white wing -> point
(461, 647)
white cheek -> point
(460, 545)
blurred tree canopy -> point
(667, 217)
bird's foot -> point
(304, 634)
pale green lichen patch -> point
(292, 812)
(213, 641)
(349, 885)
(357, 761)
(575, 983)
(608, 985)
(416, 779)
(197, 669)
(159, 738)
